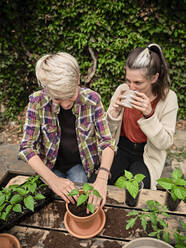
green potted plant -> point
(133, 186)
(175, 187)
(18, 200)
(77, 221)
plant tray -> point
(15, 217)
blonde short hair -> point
(59, 73)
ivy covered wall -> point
(98, 33)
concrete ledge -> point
(9, 161)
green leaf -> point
(132, 213)
(17, 208)
(39, 196)
(81, 199)
(15, 199)
(96, 193)
(2, 199)
(165, 183)
(2, 206)
(121, 182)
(32, 187)
(177, 174)
(180, 182)
(132, 188)
(74, 192)
(128, 174)
(152, 234)
(21, 191)
(29, 202)
(143, 222)
(139, 177)
(131, 223)
(180, 192)
(91, 207)
(87, 187)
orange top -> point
(130, 128)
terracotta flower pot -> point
(147, 243)
(84, 227)
(129, 200)
(171, 204)
(9, 241)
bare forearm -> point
(39, 167)
(106, 162)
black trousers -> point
(129, 157)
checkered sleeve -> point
(28, 146)
(103, 131)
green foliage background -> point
(112, 28)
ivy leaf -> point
(29, 202)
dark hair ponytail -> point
(152, 60)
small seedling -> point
(83, 197)
(130, 182)
(175, 185)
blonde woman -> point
(144, 128)
(66, 135)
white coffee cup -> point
(127, 98)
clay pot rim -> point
(12, 237)
(79, 217)
(152, 241)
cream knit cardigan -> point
(159, 129)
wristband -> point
(103, 168)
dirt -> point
(78, 211)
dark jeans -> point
(129, 157)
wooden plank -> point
(116, 196)
(39, 238)
(52, 216)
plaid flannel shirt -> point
(42, 131)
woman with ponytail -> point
(144, 127)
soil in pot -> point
(78, 211)
(171, 204)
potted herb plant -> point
(77, 221)
(133, 186)
(175, 187)
(18, 200)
